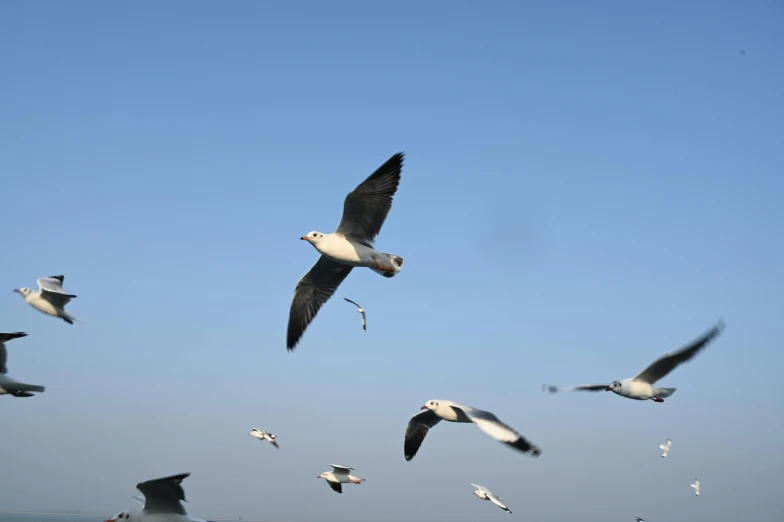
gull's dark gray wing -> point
(352, 302)
(417, 428)
(335, 486)
(3, 353)
(313, 290)
(366, 207)
(579, 387)
(163, 495)
(667, 363)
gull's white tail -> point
(392, 260)
(665, 392)
(356, 480)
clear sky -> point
(587, 185)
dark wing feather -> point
(417, 428)
(335, 486)
(313, 290)
(3, 353)
(580, 387)
(366, 207)
(667, 363)
(163, 495)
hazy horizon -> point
(586, 187)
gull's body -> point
(485, 494)
(9, 386)
(360, 310)
(437, 410)
(696, 486)
(162, 502)
(340, 475)
(642, 387)
(665, 448)
(364, 211)
(50, 297)
(263, 435)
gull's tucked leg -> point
(383, 267)
(657, 399)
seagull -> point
(485, 494)
(364, 211)
(338, 475)
(638, 519)
(696, 487)
(360, 310)
(642, 387)
(665, 447)
(263, 435)
(9, 386)
(437, 410)
(50, 299)
(162, 502)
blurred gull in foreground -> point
(9, 386)
(162, 502)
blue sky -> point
(587, 185)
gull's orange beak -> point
(319, 476)
(608, 389)
(423, 408)
(17, 291)
(306, 238)
(110, 520)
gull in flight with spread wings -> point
(50, 299)
(696, 487)
(9, 386)
(162, 502)
(340, 475)
(263, 435)
(437, 410)
(360, 310)
(364, 211)
(665, 447)
(642, 387)
(485, 494)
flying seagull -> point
(360, 310)
(638, 519)
(642, 387)
(696, 487)
(351, 245)
(438, 410)
(162, 502)
(485, 494)
(9, 386)
(340, 475)
(665, 447)
(50, 299)
(263, 435)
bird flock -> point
(351, 246)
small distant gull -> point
(263, 435)
(696, 487)
(340, 475)
(665, 447)
(50, 299)
(438, 410)
(360, 310)
(9, 386)
(364, 211)
(638, 519)
(642, 387)
(485, 494)
(162, 502)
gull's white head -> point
(24, 292)
(431, 405)
(325, 475)
(122, 515)
(480, 494)
(254, 432)
(313, 237)
(614, 387)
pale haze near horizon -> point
(586, 187)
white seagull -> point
(438, 410)
(638, 519)
(50, 299)
(351, 245)
(642, 387)
(263, 435)
(340, 475)
(696, 487)
(485, 494)
(360, 310)
(665, 447)
(162, 502)
(9, 386)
